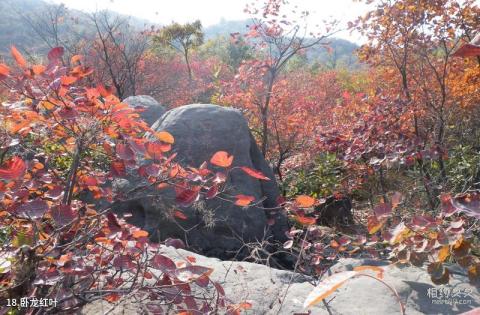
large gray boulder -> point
(272, 291)
(200, 131)
(151, 109)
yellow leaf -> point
(327, 287)
(47, 105)
(444, 253)
(165, 137)
(379, 270)
(373, 224)
(399, 233)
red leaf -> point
(18, 57)
(382, 210)
(125, 152)
(56, 53)
(162, 263)
(138, 145)
(212, 192)
(104, 92)
(254, 173)
(123, 262)
(179, 215)
(33, 209)
(113, 224)
(4, 70)
(186, 197)
(89, 181)
(68, 113)
(63, 214)
(55, 193)
(14, 169)
(118, 168)
(244, 200)
(222, 159)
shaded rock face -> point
(335, 211)
(272, 291)
(200, 130)
(152, 110)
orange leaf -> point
(139, 234)
(179, 215)
(67, 80)
(254, 173)
(305, 220)
(222, 159)
(245, 305)
(244, 200)
(191, 259)
(444, 253)
(38, 69)
(327, 287)
(18, 57)
(379, 270)
(4, 70)
(76, 58)
(165, 137)
(304, 201)
(112, 298)
(373, 224)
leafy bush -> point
(57, 142)
(319, 179)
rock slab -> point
(272, 291)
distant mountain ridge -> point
(15, 30)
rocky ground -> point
(273, 291)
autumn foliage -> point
(64, 137)
(398, 134)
